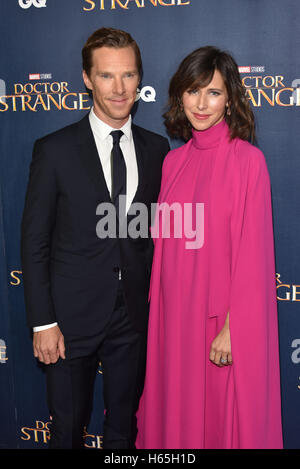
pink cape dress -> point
(188, 402)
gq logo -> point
(28, 3)
(147, 94)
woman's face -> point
(205, 107)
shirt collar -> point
(102, 130)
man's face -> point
(113, 80)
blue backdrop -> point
(41, 90)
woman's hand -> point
(220, 351)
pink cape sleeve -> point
(253, 307)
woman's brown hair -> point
(196, 71)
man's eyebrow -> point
(111, 72)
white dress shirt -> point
(104, 144)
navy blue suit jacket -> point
(69, 273)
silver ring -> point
(222, 360)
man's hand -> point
(49, 345)
(220, 351)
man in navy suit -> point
(86, 297)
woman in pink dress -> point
(212, 377)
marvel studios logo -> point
(252, 69)
(40, 76)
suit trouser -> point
(70, 385)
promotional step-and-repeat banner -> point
(41, 90)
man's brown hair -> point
(109, 37)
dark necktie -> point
(118, 169)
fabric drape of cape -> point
(187, 404)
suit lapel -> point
(141, 152)
(90, 158)
(91, 162)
